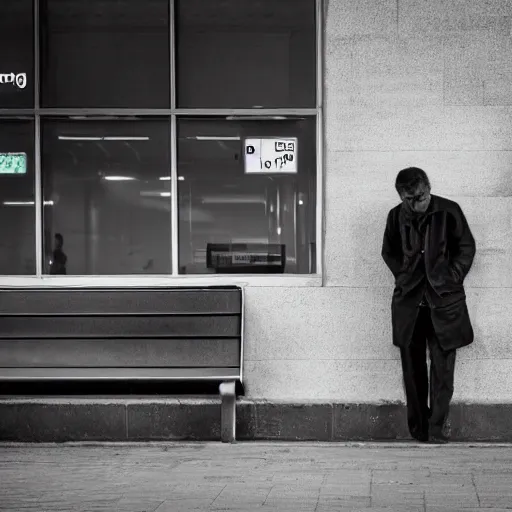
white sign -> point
(19, 80)
(270, 155)
(241, 258)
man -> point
(429, 248)
(59, 259)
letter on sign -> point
(19, 80)
(270, 155)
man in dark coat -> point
(429, 248)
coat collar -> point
(434, 205)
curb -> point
(132, 419)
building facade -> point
(133, 129)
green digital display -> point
(13, 163)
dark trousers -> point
(421, 418)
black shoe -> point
(438, 438)
(420, 436)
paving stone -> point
(185, 504)
(16, 501)
(391, 495)
(137, 505)
(266, 476)
(198, 491)
(400, 477)
(451, 499)
(240, 496)
(343, 502)
(501, 500)
(288, 502)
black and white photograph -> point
(254, 255)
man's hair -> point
(59, 238)
(408, 179)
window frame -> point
(173, 279)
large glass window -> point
(118, 113)
(246, 53)
(107, 184)
(243, 205)
(17, 218)
(105, 54)
(16, 54)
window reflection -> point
(233, 221)
(16, 54)
(105, 54)
(17, 211)
(108, 186)
(244, 54)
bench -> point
(188, 336)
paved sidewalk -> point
(262, 476)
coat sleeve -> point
(462, 244)
(392, 246)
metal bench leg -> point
(227, 416)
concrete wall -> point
(407, 82)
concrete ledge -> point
(37, 419)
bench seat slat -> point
(129, 352)
(99, 326)
(127, 302)
(125, 374)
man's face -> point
(419, 199)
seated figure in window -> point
(59, 259)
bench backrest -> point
(169, 333)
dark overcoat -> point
(448, 255)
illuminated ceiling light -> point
(233, 199)
(68, 137)
(301, 201)
(119, 178)
(125, 138)
(154, 193)
(168, 178)
(25, 203)
(214, 137)
(72, 137)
